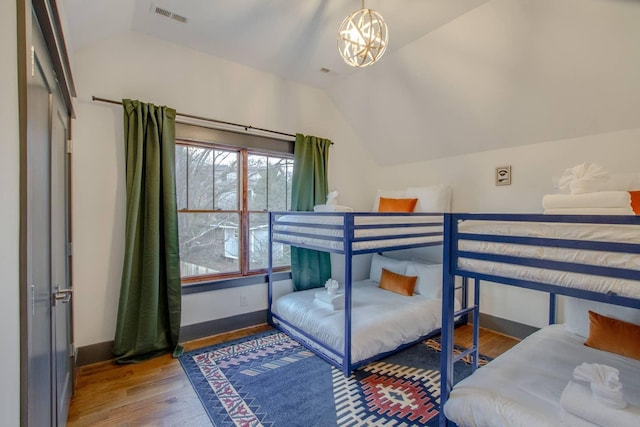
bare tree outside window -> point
(210, 183)
(269, 189)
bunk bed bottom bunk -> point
(381, 321)
(523, 386)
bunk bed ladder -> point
(450, 289)
(475, 310)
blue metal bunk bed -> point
(477, 247)
(348, 234)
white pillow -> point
(576, 313)
(429, 283)
(378, 262)
(433, 198)
(391, 194)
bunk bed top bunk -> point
(574, 254)
(357, 232)
(593, 258)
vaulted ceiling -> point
(459, 76)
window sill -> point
(236, 282)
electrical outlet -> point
(243, 301)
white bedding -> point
(381, 320)
(627, 233)
(522, 387)
(586, 232)
(394, 228)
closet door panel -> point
(63, 296)
(39, 246)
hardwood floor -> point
(492, 343)
(158, 393)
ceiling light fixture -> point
(362, 37)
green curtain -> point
(309, 187)
(148, 321)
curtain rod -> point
(190, 116)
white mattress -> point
(522, 387)
(381, 320)
(394, 229)
(586, 232)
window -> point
(224, 194)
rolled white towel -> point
(335, 302)
(605, 383)
(574, 183)
(600, 199)
(578, 400)
(583, 178)
(332, 198)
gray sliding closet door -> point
(47, 368)
(38, 254)
(60, 261)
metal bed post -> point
(446, 338)
(348, 223)
(270, 270)
(552, 308)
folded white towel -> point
(590, 211)
(583, 178)
(335, 302)
(331, 208)
(605, 383)
(570, 420)
(332, 286)
(599, 199)
(590, 177)
(578, 400)
(332, 198)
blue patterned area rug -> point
(270, 380)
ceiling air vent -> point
(163, 12)
(168, 14)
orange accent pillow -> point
(394, 282)
(613, 335)
(397, 205)
(635, 201)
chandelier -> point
(362, 37)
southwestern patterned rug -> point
(269, 379)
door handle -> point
(62, 295)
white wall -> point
(509, 72)
(472, 178)
(9, 218)
(139, 67)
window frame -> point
(243, 211)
